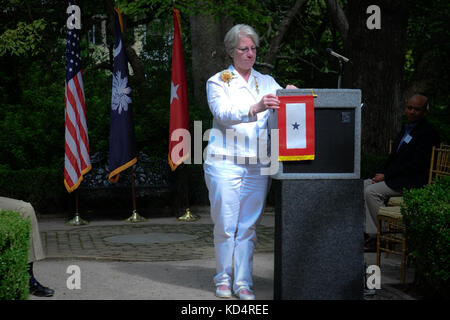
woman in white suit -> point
(241, 101)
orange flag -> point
(179, 138)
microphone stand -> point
(341, 60)
(341, 71)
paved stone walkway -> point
(168, 240)
(95, 242)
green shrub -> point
(14, 247)
(427, 218)
(43, 187)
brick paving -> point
(92, 242)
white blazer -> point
(229, 103)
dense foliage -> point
(14, 243)
(32, 54)
(426, 214)
(40, 186)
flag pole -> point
(179, 118)
(135, 217)
(76, 221)
(182, 184)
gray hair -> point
(235, 34)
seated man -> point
(36, 252)
(406, 167)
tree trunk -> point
(425, 76)
(208, 52)
(338, 18)
(377, 57)
(275, 44)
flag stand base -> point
(135, 217)
(188, 216)
(76, 221)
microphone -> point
(337, 55)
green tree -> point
(409, 54)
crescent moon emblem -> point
(118, 49)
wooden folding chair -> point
(390, 228)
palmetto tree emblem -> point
(120, 92)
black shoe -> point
(369, 292)
(39, 290)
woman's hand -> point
(269, 101)
(291, 86)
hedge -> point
(43, 187)
(14, 248)
(426, 214)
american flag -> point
(77, 160)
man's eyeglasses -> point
(246, 49)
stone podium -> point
(319, 220)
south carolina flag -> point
(122, 145)
(296, 128)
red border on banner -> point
(307, 153)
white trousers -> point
(237, 195)
(375, 196)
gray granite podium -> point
(319, 220)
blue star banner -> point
(296, 125)
(122, 142)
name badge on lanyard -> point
(408, 138)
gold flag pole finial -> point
(188, 216)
